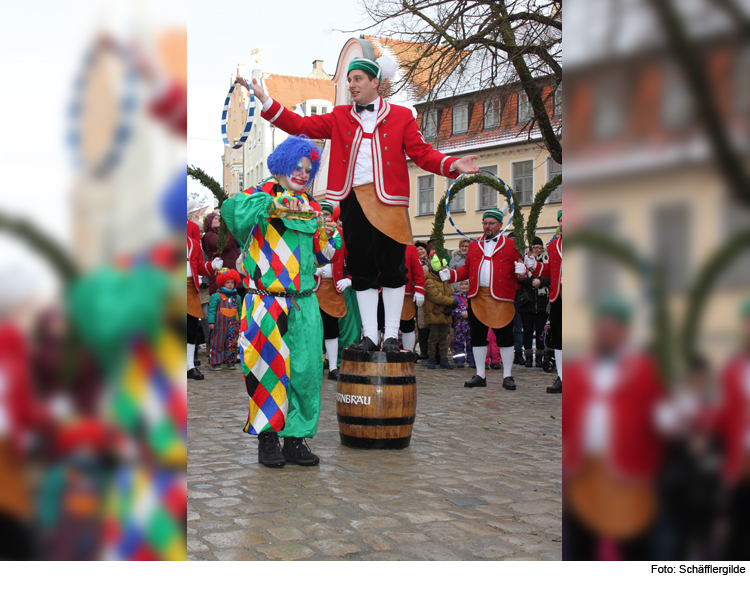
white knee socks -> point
(332, 350)
(393, 301)
(480, 355)
(409, 340)
(190, 357)
(506, 354)
(558, 361)
(368, 309)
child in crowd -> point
(462, 333)
(224, 312)
(493, 352)
(438, 307)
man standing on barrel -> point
(491, 268)
(368, 174)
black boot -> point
(391, 345)
(518, 359)
(509, 383)
(539, 363)
(365, 345)
(195, 374)
(296, 450)
(269, 450)
(529, 358)
(333, 374)
(555, 389)
(476, 381)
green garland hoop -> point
(440, 215)
(216, 189)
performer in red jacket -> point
(413, 297)
(330, 284)
(555, 300)
(195, 267)
(491, 268)
(368, 173)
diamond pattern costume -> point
(279, 335)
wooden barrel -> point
(376, 399)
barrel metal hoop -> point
(377, 380)
(375, 443)
(375, 421)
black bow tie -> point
(370, 107)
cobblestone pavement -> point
(481, 479)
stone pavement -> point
(481, 479)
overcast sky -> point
(291, 34)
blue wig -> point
(284, 159)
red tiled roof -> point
(291, 90)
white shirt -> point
(327, 271)
(598, 421)
(486, 266)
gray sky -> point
(290, 33)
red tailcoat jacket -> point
(338, 261)
(555, 268)
(395, 137)
(635, 447)
(197, 266)
(414, 272)
(503, 282)
(733, 418)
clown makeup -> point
(301, 175)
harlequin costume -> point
(331, 300)
(490, 269)
(281, 328)
(224, 311)
(368, 174)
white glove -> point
(217, 263)
(444, 274)
(520, 268)
(343, 284)
(419, 299)
(531, 262)
(319, 271)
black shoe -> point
(518, 359)
(555, 389)
(476, 381)
(231, 366)
(365, 345)
(495, 366)
(195, 374)
(391, 345)
(269, 450)
(529, 358)
(539, 363)
(333, 374)
(445, 364)
(296, 450)
(509, 383)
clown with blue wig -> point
(285, 239)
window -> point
(671, 239)
(426, 195)
(610, 105)
(557, 106)
(523, 181)
(323, 110)
(460, 119)
(458, 204)
(676, 103)
(601, 274)
(554, 169)
(313, 110)
(242, 184)
(525, 112)
(492, 113)
(429, 123)
(487, 195)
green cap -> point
(559, 214)
(326, 205)
(615, 306)
(494, 214)
(366, 65)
